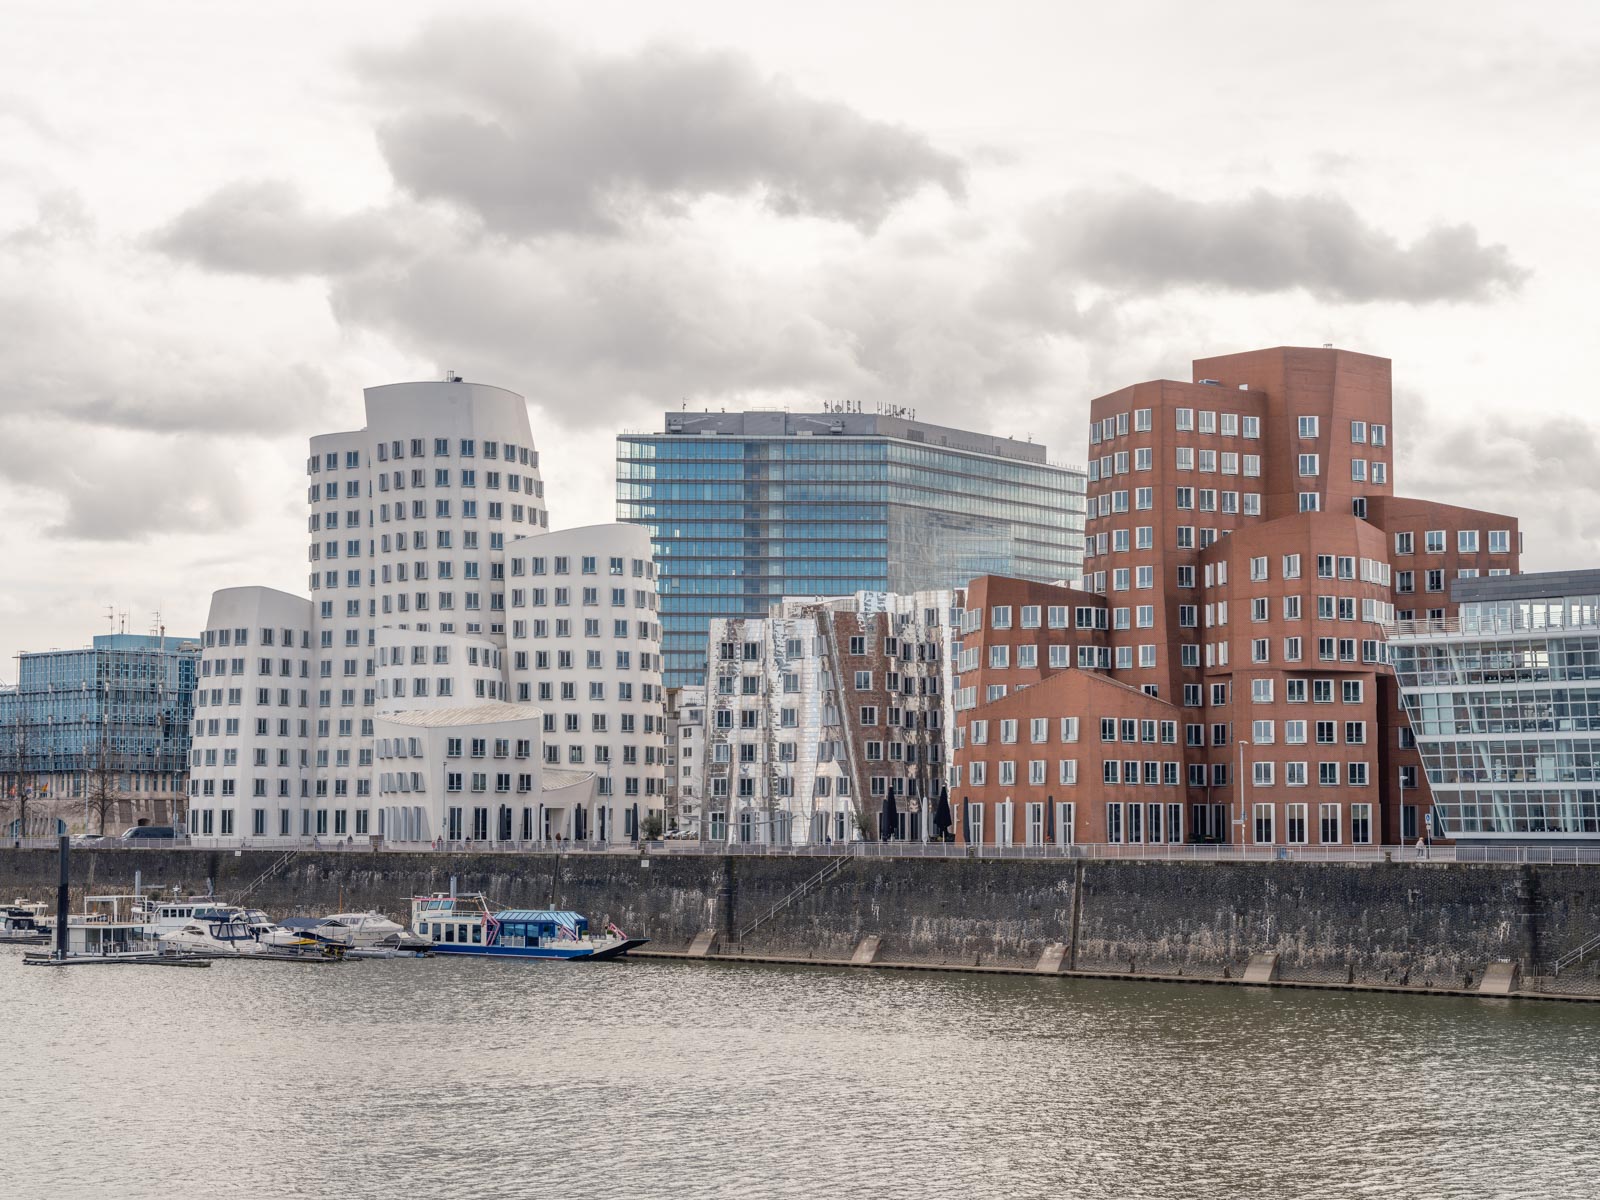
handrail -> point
(828, 871)
(277, 865)
(1576, 956)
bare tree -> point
(102, 787)
(19, 785)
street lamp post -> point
(1239, 820)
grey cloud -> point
(592, 332)
(1143, 240)
(92, 332)
(264, 227)
(123, 488)
(535, 136)
(61, 216)
(1539, 470)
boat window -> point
(449, 933)
(477, 933)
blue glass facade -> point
(748, 508)
(127, 701)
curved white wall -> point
(253, 724)
(585, 646)
(425, 531)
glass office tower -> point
(125, 706)
(749, 508)
(1504, 701)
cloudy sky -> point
(218, 224)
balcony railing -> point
(1480, 626)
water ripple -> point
(644, 1079)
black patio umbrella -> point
(1049, 818)
(637, 833)
(889, 819)
(942, 820)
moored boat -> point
(21, 924)
(362, 935)
(227, 931)
(469, 924)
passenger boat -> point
(362, 935)
(470, 924)
(20, 924)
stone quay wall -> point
(1407, 924)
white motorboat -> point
(21, 924)
(230, 931)
(365, 934)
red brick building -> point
(1244, 550)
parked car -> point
(88, 841)
(144, 833)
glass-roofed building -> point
(748, 508)
(1504, 702)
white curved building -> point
(424, 528)
(251, 766)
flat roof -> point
(1536, 585)
(848, 424)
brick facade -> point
(1244, 552)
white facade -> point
(427, 531)
(585, 648)
(252, 748)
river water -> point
(460, 1078)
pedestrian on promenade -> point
(1422, 849)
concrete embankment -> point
(1487, 929)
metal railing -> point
(1485, 625)
(1575, 956)
(829, 870)
(1554, 855)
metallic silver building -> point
(1504, 702)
